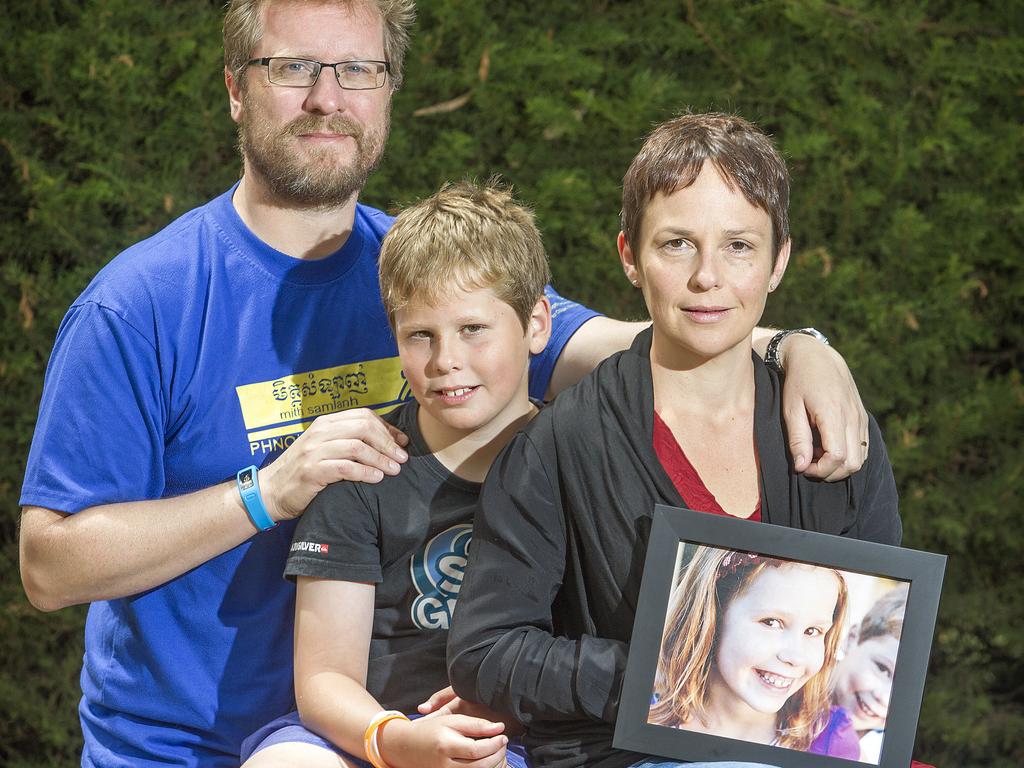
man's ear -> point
(234, 95)
(628, 259)
(538, 325)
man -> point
(251, 329)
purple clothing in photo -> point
(839, 739)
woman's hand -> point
(443, 741)
(447, 702)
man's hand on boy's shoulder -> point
(447, 702)
(351, 445)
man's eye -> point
(739, 247)
(297, 67)
(357, 68)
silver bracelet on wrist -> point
(771, 355)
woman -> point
(688, 416)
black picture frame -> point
(672, 527)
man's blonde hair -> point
(464, 236)
(243, 29)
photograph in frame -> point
(776, 645)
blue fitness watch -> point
(248, 481)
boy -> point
(864, 675)
(379, 567)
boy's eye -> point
(419, 334)
(883, 669)
(472, 329)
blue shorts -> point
(290, 730)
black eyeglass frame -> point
(265, 62)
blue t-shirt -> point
(195, 353)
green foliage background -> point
(903, 127)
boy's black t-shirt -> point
(408, 534)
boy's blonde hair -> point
(713, 578)
(243, 30)
(464, 236)
(885, 616)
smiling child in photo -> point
(749, 646)
(863, 681)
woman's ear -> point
(781, 262)
(628, 259)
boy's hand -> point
(446, 702)
(443, 741)
(351, 445)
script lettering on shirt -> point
(275, 412)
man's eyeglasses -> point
(303, 73)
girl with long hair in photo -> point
(749, 647)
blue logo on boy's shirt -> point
(437, 574)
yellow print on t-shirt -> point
(276, 412)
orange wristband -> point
(370, 745)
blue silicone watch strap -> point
(248, 481)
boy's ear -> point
(538, 326)
(851, 638)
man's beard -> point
(319, 180)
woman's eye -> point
(813, 632)
(676, 244)
(883, 669)
(772, 622)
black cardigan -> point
(546, 610)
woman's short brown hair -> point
(672, 157)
